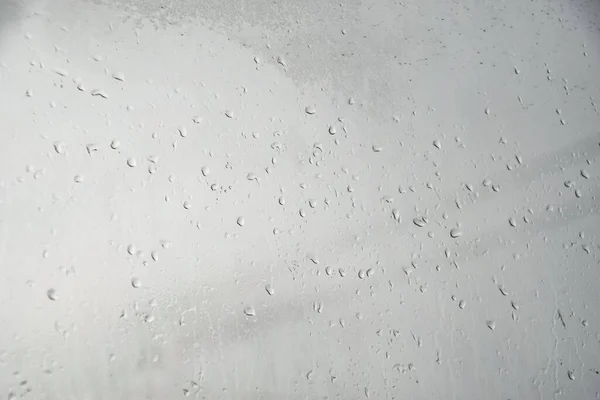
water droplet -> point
(332, 130)
(119, 76)
(78, 179)
(229, 113)
(514, 305)
(302, 213)
(312, 203)
(310, 110)
(486, 182)
(154, 255)
(491, 324)
(455, 232)
(186, 205)
(420, 221)
(115, 144)
(396, 214)
(205, 170)
(250, 311)
(269, 289)
(99, 93)
(502, 290)
(282, 201)
(571, 375)
(51, 293)
(59, 147)
(131, 162)
(281, 60)
(487, 111)
(512, 222)
(437, 144)
(131, 249)
(342, 272)
(361, 274)
(462, 304)
(91, 148)
(182, 131)
(585, 174)
(578, 193)
(377, 148)
(136, 283)
(241, 221)
(329, 270)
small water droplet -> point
(250, 311)
(59, 147)
(119, 76)
(115, 144)
(332, 130)
(136, 283)
(310, 110)
(205, 170)
(302, 213)
(228, 113)
(312, 203)
(486, 182)
(52, 295)
(571, 375)
(585, 174)
(182, 131)
(269, 289)
(154, 255)
(487, 111)
(491, 324)
(437, 144)
(241, 221)
(420, 221)
(281, 200)
(462, 304)
(186, 205)
(329, 270)
(361, 274)
(131, 162)
(78, 179)
(396, 214)
(578, 193)
(377, 148)
(512, 222)
(455, 232)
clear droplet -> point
(332, 130)
(269, 289)
(455, 232)
(131, 249)
(241, 221)
(136, 283)
(131, 162)
(115, 144)
(205, 171)
(462, 304)
(437, 144)
(52, 295)
(59, 147)
(420, 221)
(78, 178)
(250, 311)
(491, 324)
(310, 110)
